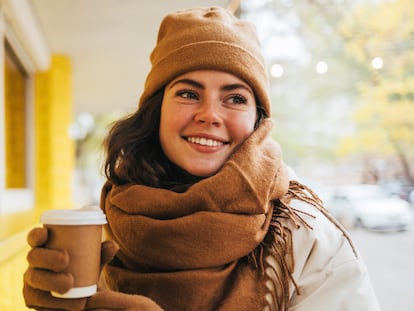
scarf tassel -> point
(279, 245)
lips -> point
(205, 141)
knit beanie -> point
(207, 38)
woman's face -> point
(205, 115)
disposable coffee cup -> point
(79, 232)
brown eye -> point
(187, 94)
(238, 99)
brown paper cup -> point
(80, 233)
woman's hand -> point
(45, 273)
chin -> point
(204, 172)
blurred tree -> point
(360, 99)
(380, 36)
(310, 104)
(89, 173)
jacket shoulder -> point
(329, 271)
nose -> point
(208, 112)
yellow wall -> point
(54, 165)
(55, 151)
(15, 125)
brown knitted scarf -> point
(205, 248)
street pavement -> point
(390, 261)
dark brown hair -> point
(134, 154)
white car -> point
(369, 206)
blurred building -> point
(36, 152)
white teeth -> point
(204, 141)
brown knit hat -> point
(207, 38)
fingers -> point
(108, 251)
(47, 280)
(51, 259)
(37, 237)
(41, 277)
(43, 300)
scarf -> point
(205, 248)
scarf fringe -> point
(278, 243)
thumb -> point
(37, 237)
(108, 251)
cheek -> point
(166, 124)
(171, 115)
(171, 122)
(241, 126)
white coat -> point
(330, 274)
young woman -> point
(201, 212)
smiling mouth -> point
(205, 141)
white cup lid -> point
(84, 216)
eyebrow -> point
(188, 81)
(228, 87)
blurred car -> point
(411, 197)
(399, 187)
(369, 206)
